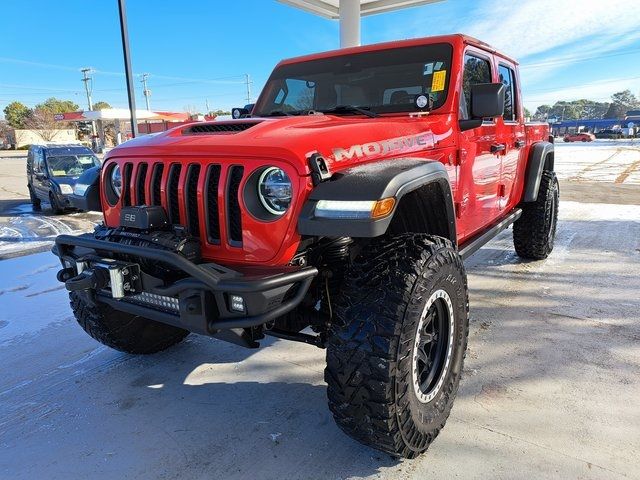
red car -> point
(337, 214)
(579, 137)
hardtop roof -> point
(454, 39)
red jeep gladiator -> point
(337, 213)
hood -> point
(342, 140)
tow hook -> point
(90, 279)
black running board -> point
(472, 246)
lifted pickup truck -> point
(338, 214)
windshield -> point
(71, 165)
(383, 81)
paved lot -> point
(22, 230)
(550, 388)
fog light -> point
(237, 303)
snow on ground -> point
(599, 161)
(549, 390)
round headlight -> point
(116, 180)
(275, 190)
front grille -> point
(140, 184)
(173, 204)
(191, 196)
(126, 184)
(156, 184)
(213, 215)
(233, 205)
(201, 212)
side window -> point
(38, 157)
(507, 78)
(476, 70)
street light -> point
(127, 66)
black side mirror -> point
(487, 101)
(239, 112)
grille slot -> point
(172, 193)
(234, 217)
(156, 183)
(191, 200)
(140, 183)
(213, 215)
(219, 128)
(126, 185)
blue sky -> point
(198, 50)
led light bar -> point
(155, 300)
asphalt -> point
(550, 387)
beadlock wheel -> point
(433, 346)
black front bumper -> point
(201, 299)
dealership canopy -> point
(350, 11)
(121, 114)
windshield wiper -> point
(350, 109)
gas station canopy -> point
(350, 11)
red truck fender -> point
(541, 157)
(413, 183)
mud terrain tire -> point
(373, 345)
(122, 331)
(534, 232)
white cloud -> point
(529, 27)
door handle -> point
(498, 147)
(520, 143)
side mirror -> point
(239, 112)
(487, 101)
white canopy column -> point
(348, 12)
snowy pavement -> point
(600, 161)
(550, 388)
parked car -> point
(579, 137)
(52, 172)
(609, 133)
(338, 215)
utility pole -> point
(122, 10)
(88, 88)
(88, 85)
(206, 102)
(248, 82)
(145, 90)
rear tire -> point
(534, 232)
(122, 331)
(382, 389)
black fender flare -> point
(536, 164)
(374, 181)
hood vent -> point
(218, 128)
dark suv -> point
(53, 171)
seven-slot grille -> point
(155, 183)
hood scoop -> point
(218, 128)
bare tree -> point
(43, 121)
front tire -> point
(534, 232)
(396, 349)
(36, 205)
(57, 210)
(122, 331)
